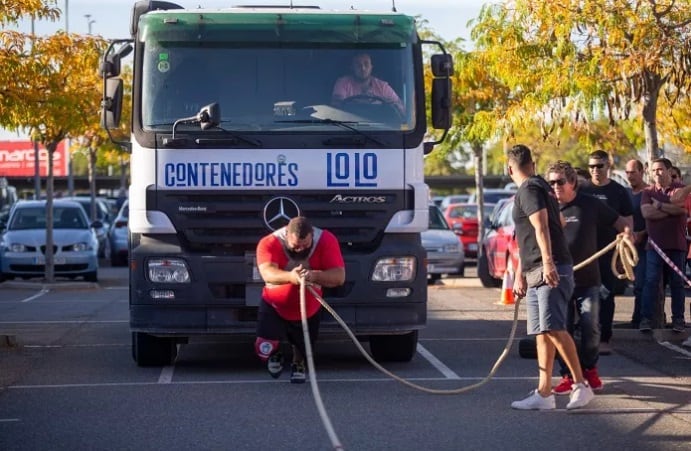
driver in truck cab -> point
(362, 87)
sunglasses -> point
(599, 166)
(560, 182)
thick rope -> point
(326, 421)
(624, 250)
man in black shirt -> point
(584, 215)
(618, 198)
(545, 277)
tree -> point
(576, 60)
(50, 87)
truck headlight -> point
(394, 269)
(168, 270)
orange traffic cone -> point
(507, 286)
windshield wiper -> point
(230, 140)
(343, 124)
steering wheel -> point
(368, 99)
(365, 98)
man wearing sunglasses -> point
(584, 215)
(618, 198)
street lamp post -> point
(89, 22)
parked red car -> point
(498, 246)
(462, 218)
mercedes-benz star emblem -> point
(278, 211)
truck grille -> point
(231, 224)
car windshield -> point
(35, 218)
(436, 220)
(496, 196)
(464, 211)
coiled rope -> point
(624, 253)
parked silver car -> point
(23, 242)
(103, 215)
(444, 248)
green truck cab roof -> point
(279, 25)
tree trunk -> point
(92, 181)
(477, 152)
(49, 254)
(652, 83)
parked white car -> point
(23, 241)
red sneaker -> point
(563, 387)
(593, 379)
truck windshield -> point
(303, 88)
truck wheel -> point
(148, 350)
(393, 348)
(483, 272)
(527, 348)
(432, 279)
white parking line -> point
(9, 420)
(443, 369)
(37, 295)
(675, 348)
(166, 376)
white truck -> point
(234, 132)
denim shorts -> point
(546, 307)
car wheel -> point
(393, 348)
(483, 273)
(461, 271)
(432, 279)
(91, 276)
(148, 350)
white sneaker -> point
(687, 342)
(535, 402)
(580, 396)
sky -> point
(111, 18)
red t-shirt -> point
(285, 298)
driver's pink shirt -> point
(347, 86)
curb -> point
(55, 286)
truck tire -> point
(148, 350)
(393, 348)
(483, 272)
(527, 348)
(433, 278)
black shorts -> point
(271, 326)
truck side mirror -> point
(111, 104)
(441, 103)
(442, 70)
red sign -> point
(17, 159)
